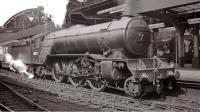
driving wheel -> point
(58, 71)
(132, 87)
(75, 81)
(97, 85)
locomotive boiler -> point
(112, 54)
(131, 35)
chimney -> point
(120, 2)
(131, 7)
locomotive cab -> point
(36, 45)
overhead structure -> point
(91, 12)
(26, 19)
(26, 24)
(143, 6)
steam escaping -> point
(17, 65)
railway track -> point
(47, 99)
(108, 101)
(14, 101)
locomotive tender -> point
(112, 54)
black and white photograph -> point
(100, 55)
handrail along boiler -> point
(111, 54)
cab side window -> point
(36, 43)
(33, 43)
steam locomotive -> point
(112, 54)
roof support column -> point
(180, 42)
(195, 60)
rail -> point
(4, 108)
(32, 104)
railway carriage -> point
(112, 54)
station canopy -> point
(167, 10)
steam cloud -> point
(17, 65)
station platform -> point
(189, 74)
